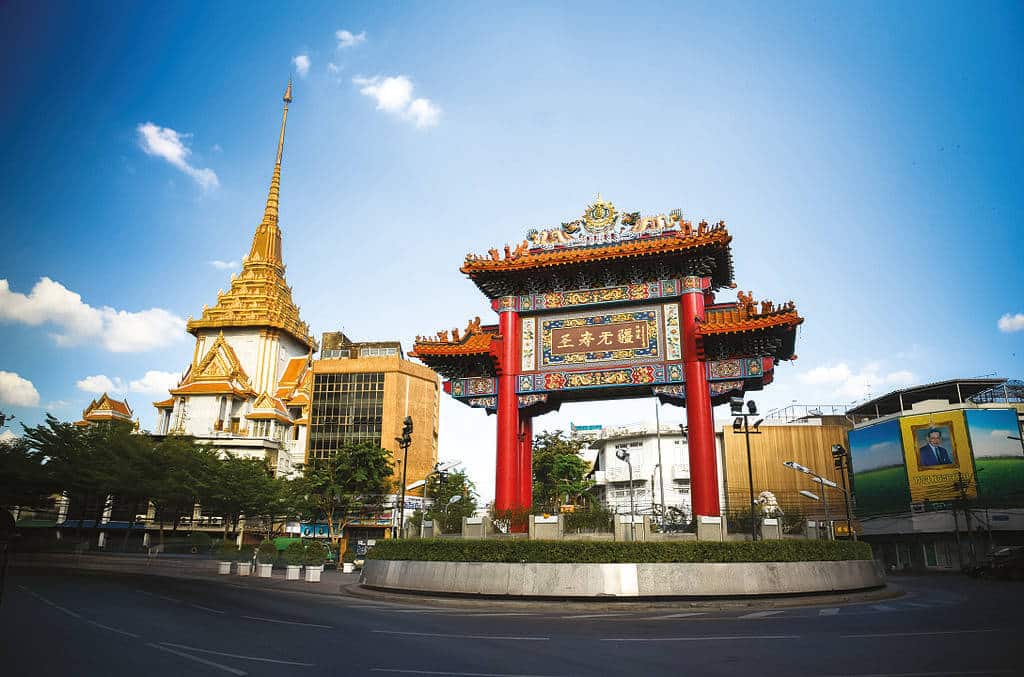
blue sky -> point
(866, 159)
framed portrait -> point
(936, 449)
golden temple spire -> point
(266, 244)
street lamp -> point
(815, 477)
(404, 441)
(623, 455)
(742, 424)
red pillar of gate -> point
(525, 498)
(506, 470)
(703, 462)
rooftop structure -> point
(106, 409)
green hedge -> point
(464, 550)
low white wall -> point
(623, 580)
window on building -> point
(377, 352)
(346, 409)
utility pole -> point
(661, 467)
(841, 457)
(404, 441)
(742, 424)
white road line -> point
(832, 611)
(443, 636)
(274, 620)
(206, 608)
(760, 614)
(58, 607)
(667, 617)
(593, 615)
(422, 611)
(921, 634)
(919, 605)
(456, 674)
(107, 627)
(225, 668)
(240, 656)
(944, 673)
(883, 607)
(163, 597)
(723, 638)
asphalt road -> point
(69, 625)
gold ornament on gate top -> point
(599, 216)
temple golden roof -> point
(259, 296)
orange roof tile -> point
(672, 241)
(164, 404)
(734, 322)
(474, 344)
(210, 388)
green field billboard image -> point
(998, 460)
(880, 484)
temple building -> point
(246, 391)
(106, 409)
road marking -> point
(921, 634)
(457, 674)
(435, 634)
(594, 615)
(883, 607)
(919, 605)
(422, 611)
(58, 607)
(760, 614)
(240, 656)
(674, 616)
(206, 608)
(832, 611)
(274, 620)
(164, 597)
(498, 613)
(723, 638)
(107, 627)
(225, 668)
(956, 673)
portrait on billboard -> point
(938, 457)
(935, 447)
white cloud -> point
(394, 95)
(155, 382)
(840, 380)
(302, 64)
(101, 384)
(57, 405)
(17, 391)
(1010, 323)
(346, 39)
(164, 142)
(224, 265)
(216, 148)
(424, 113)
(333, 68)
(118, 331)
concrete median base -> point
(749, 579)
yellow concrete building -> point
(362, 392)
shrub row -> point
(465, 550)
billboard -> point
(937, 454)
(879, 475)
(999, 460)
